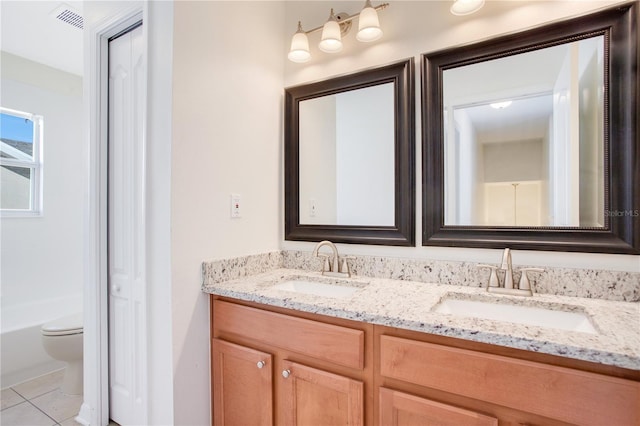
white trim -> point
(95, 407)
(22, 214)
(158, 28)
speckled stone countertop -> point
(409, 304)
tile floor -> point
(39, 402)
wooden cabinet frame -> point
(393, 371)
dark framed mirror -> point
(349, 158)
(530, 141)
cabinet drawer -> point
(568, 395)
(402, 409)
(340, 345)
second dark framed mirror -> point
(349, 158)
(530, 141)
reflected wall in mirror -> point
(531, 140)
(349, 158)
(524, 139)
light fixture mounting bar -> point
(347, 19)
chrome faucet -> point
(333, 266)
(524, 285)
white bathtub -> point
(21, 351)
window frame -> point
(35, 165)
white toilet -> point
(62, 340)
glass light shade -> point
(368, 24)
(331, 41)
(466, 7)
(299, 51)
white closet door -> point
(127, 286)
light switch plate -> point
(236, 203)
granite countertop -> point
(409, 304)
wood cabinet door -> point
(242, 385)
(402, 409)
(316, 397)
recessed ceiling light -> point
(500, 105)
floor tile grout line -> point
(31, 404)
(58, 382)
(55, 422)
(55, 382)
(35, 396)
(18, 403)
(15, 405)
(11, 406)
(30, 400)
(21, 395)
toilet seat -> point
(62, 339)
(65, 326)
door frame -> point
(95, 406)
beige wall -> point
(227, 132)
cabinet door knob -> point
(286, 373)
(261, 364)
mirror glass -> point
(347, 158)
(524, 139)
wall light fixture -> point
(336, 27)
(466, 7)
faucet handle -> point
(344, 265)
(524, 283)
(326, 265)
(493, 277)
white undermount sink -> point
(528, 315)
(315, 288)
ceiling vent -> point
(68, 15)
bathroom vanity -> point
(384, 354)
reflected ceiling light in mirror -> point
(501, 105)
(466, 7)
(368, 24)
(331, 41)
(299, 51)
(334, 29)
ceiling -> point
(524, 119)
(31, 30)
(527, 79)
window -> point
(20, 163)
